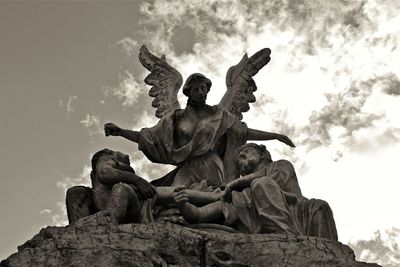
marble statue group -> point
(221, 177)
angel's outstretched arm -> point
(112, 129)
(253, 134)
(130, 135)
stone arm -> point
(245, 182)
(165, 195)
(130, 135)
(107, 172)
(241, 183)
(124, 167)
(112, 129)
(208, 213)
(253, 134)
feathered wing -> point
(240, 84)
(165, 81)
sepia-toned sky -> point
(333, 86)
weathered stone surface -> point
(98, 241)
(277, 250)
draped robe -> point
(209, 155)
(265, 207)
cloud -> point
(70, 109)
(44, 211)
(127, 90)
(344, 111)
(68, 104)
(383, 248)
(92, 124)
(391, 85)
(81, 179)
(59, 215)
(128, 45)
(147, 170)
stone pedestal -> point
(98, 241)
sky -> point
(332, 86)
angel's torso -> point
(187, 121)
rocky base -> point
(98, 241)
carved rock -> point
(99, 241)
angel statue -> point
(200, 140)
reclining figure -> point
(270, 200)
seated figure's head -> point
(250, 156)
(121, 157)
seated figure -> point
(266, 199)
(117, 189)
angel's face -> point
(198, 91)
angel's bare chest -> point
(186, 125)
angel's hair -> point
(265, 155)
(195, 77)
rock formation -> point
(98, 240)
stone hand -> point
(231, 186)
(180, 195)
(145, 189)
(112, 129)
(228, 194)
(284, 139)
(235, 185)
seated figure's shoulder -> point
(283, 163)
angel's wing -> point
(165, 80)
(240, 84)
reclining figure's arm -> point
(208, 213)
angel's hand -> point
(284, 139)
(112, 129)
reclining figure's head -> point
(250, 156)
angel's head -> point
(196, 87)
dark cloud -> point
(346, 112)
(344, 109)
(382, 248)
(391, 84)
(383, 138)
